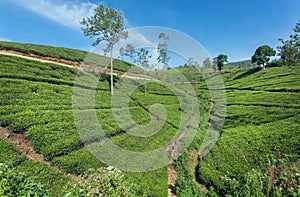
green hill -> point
(78, 56)
(244, 63)
(36, 101)
(262, 121)
(261, 124)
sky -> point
(232, 27)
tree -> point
(221, 59)
(122, 52)
(129, 51)
(142, 60)
(262, 55)
(290, 49)
(162, 49)
(215, 63)
(156, 67)
(207, 63)
(107, 24)
(194, 64)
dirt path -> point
(21, 144)
(172, 176)
(172, 173)
(62, 62)
(74, 64)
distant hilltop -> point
(243, 63)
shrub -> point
(277, 63)
(105, 182)
(13, 183)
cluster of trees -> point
(289, 53)
(290, 49)
(107, 24)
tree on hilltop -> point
(207, 63)
(122, 52)
(142, 60)
(262, 55)
(107, 24)
(220, 61)
(129, 51)
(162, 49)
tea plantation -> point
(36, 99)
(261, 131)
(260, 136)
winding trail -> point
(74, 64)
(172, 173)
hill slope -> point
(36, 101)
(262, 121)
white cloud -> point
(62, 12)
(5, 39)
(138, 39)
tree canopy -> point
(290, 49)
(162, 49)
(221, 59)
(262, 55)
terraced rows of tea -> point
(261, 126)
(36, 100)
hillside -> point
(36, 103)
(244, 63)
(37, 106)
(65, 55)
(262, 125)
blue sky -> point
(232, 27)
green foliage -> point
(153, 183)
(220, 61)
(280, 179)
(243, 63)
(45, 51)
(262, 55)
(290, 49)
(55, 183)
(277, 63)
(13, 183)
(107, 24)
(108, 182)
(162, 50)
(8, 153)
(184, 185)
(207, 63)
(277, 79)
(262, 115)
(77, 162)
(38, 100)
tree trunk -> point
(145, 89)
(111, 72)
(165, 73)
